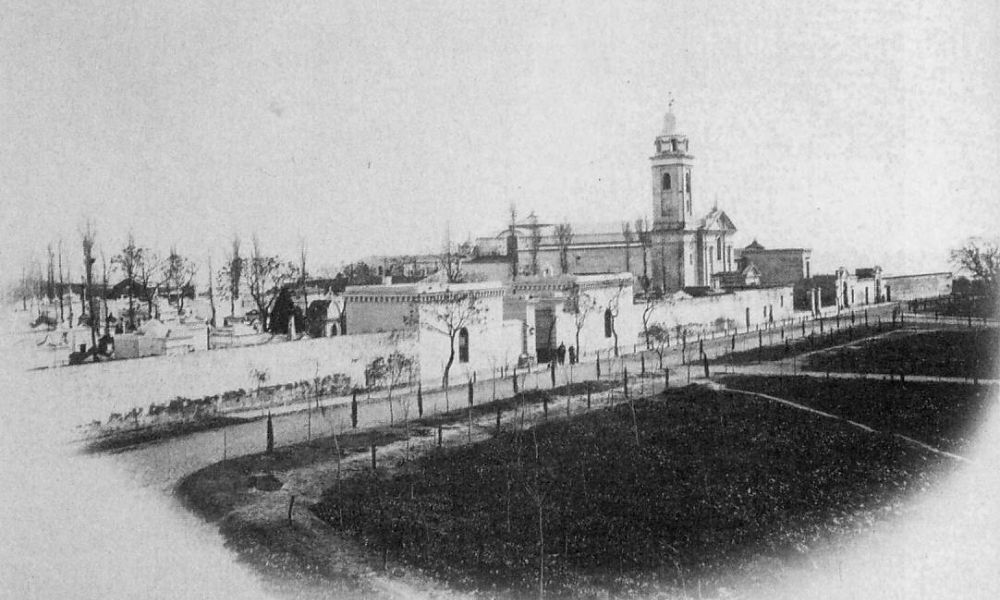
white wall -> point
(94, 391)
(700, 314)
(493, 342)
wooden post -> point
(420, 399)
(270, 434)
(642, 362)
(291, 503)
(498, 420)
(625, 380)
(439, 436)
(588, 395)
(374, 464)
(552, 370)
(354, 409)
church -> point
(675, 249)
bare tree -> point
(62, 285)
(981, 258)
(512, 242)
(658, 338)
(564, 237)
(645, 237)
(211, 292)
(88, 235)
(390, 371)
(451, 261)
(104, 296)
(612, 308)
(303, 275)
(629, 238)
(178, 274)
(448, 313)
(130, 261)
(265, 276)
(233, 273)
(534, 241)
(580, 304)
(651, 303)
(147, 275)
(536, 493)
(50, 282)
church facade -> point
(676, 248)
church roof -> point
(754, 245)
(717, 220)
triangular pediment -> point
(718, 220)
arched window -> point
(687, 182)
(666, 181)
(608, 323)
(463, 345)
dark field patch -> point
(946, 353)
(814, 340)
(717, 482)
(943, 415)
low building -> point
(463, 323)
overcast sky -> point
(866, 131)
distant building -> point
(671, 251)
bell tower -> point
(671, 167)
(676, 251)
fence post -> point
(374, 464)
(354, 409)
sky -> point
(867, 131)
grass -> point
(945, 353)
(481, 408)
(830, 337)
(977, 307)
(215, 490)
(129, 438)
(943, 415)
(718, 481)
